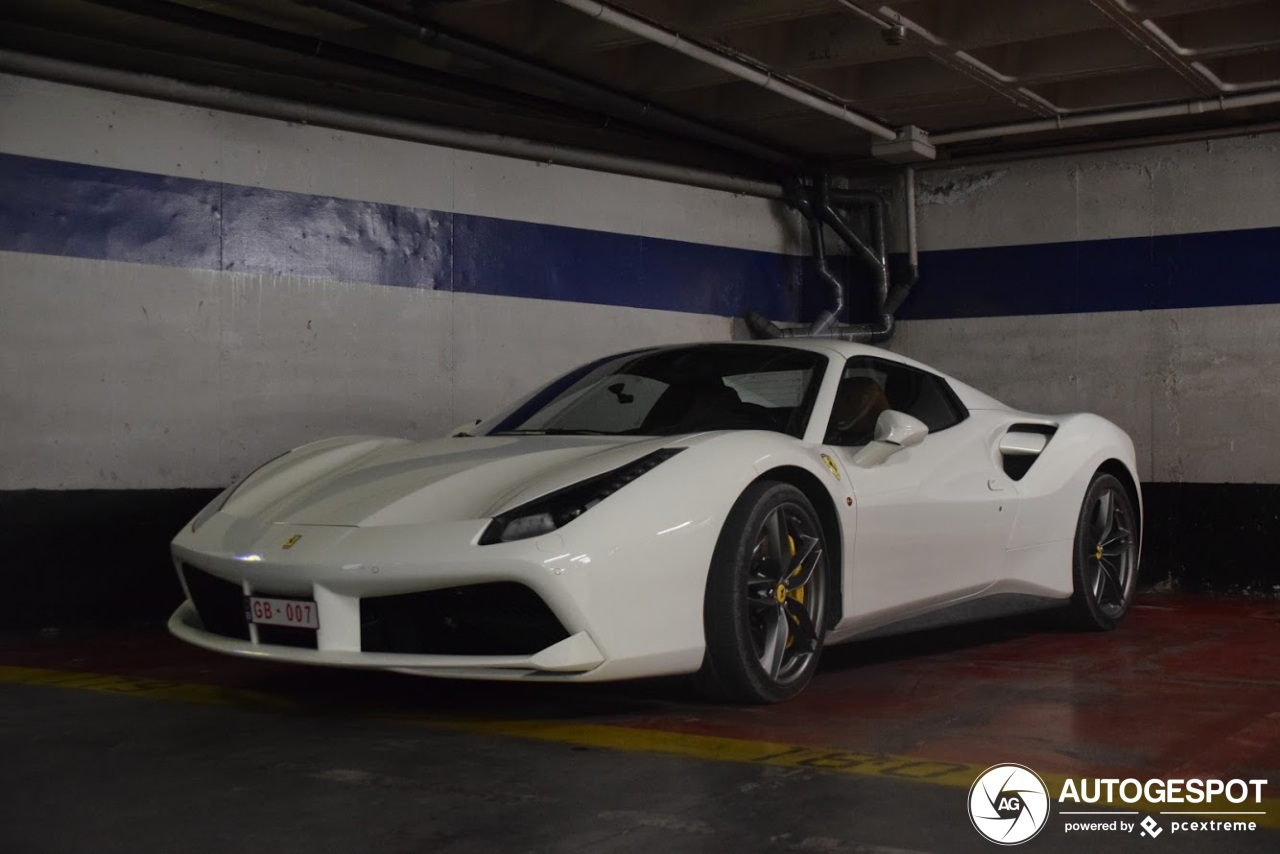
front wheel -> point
(1105, 561)
(766, 596)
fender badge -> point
(831, 464)
(288, 544)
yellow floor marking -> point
(723, 749)
(715, 748)
(156, 689)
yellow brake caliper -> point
(798, 593)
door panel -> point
(933, 520)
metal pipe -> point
(862, 333)
(1108, 145)
(888, 300)
(912, 241)
(865, 332)
(819, 212)
(585, 92)
(212, 97)
(879, 235)
(899, 293)
(1107, 117)
(831, 316)
(876, 259)
(828, 318)
(311, 46)
(742, 70)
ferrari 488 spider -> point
(721, 509)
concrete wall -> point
(1143, 285)
(184, 293)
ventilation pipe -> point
(819, 206)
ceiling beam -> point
(765, 78)
(1165, 8)
(1239, 29)
(949, 55)
(1085, 54)
(840, 38)
(546, 26)
(1131, 24)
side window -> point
(869, 386)
(926, 396)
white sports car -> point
(724, 509)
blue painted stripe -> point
(294, 234)
(494, 256)
(1125, 274)
(56, 208)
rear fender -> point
(1050, 494)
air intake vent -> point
(480, 619)
(220, 603)
(1022, 445)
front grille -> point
(220, 603)
(503, 618)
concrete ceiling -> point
(976, 77)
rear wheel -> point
(1105, 561)
(765, 606)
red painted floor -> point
(1188, 686)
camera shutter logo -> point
(1008, 804)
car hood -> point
(373, 481)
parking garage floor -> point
(136, 742)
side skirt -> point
(967, 611)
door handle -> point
(995, 484)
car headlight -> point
(561, 507)
(225, 495)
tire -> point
(765, 608)
(1105, 557)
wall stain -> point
(959, 188)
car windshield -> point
(671, 391)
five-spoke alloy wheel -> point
(766, 597)
(1106, 555)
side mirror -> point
(463, 429)
(894, 431)
(899, 428)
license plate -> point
(298, 613)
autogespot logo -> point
(1008, 804)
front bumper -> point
(573, 655)
(613, 599)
